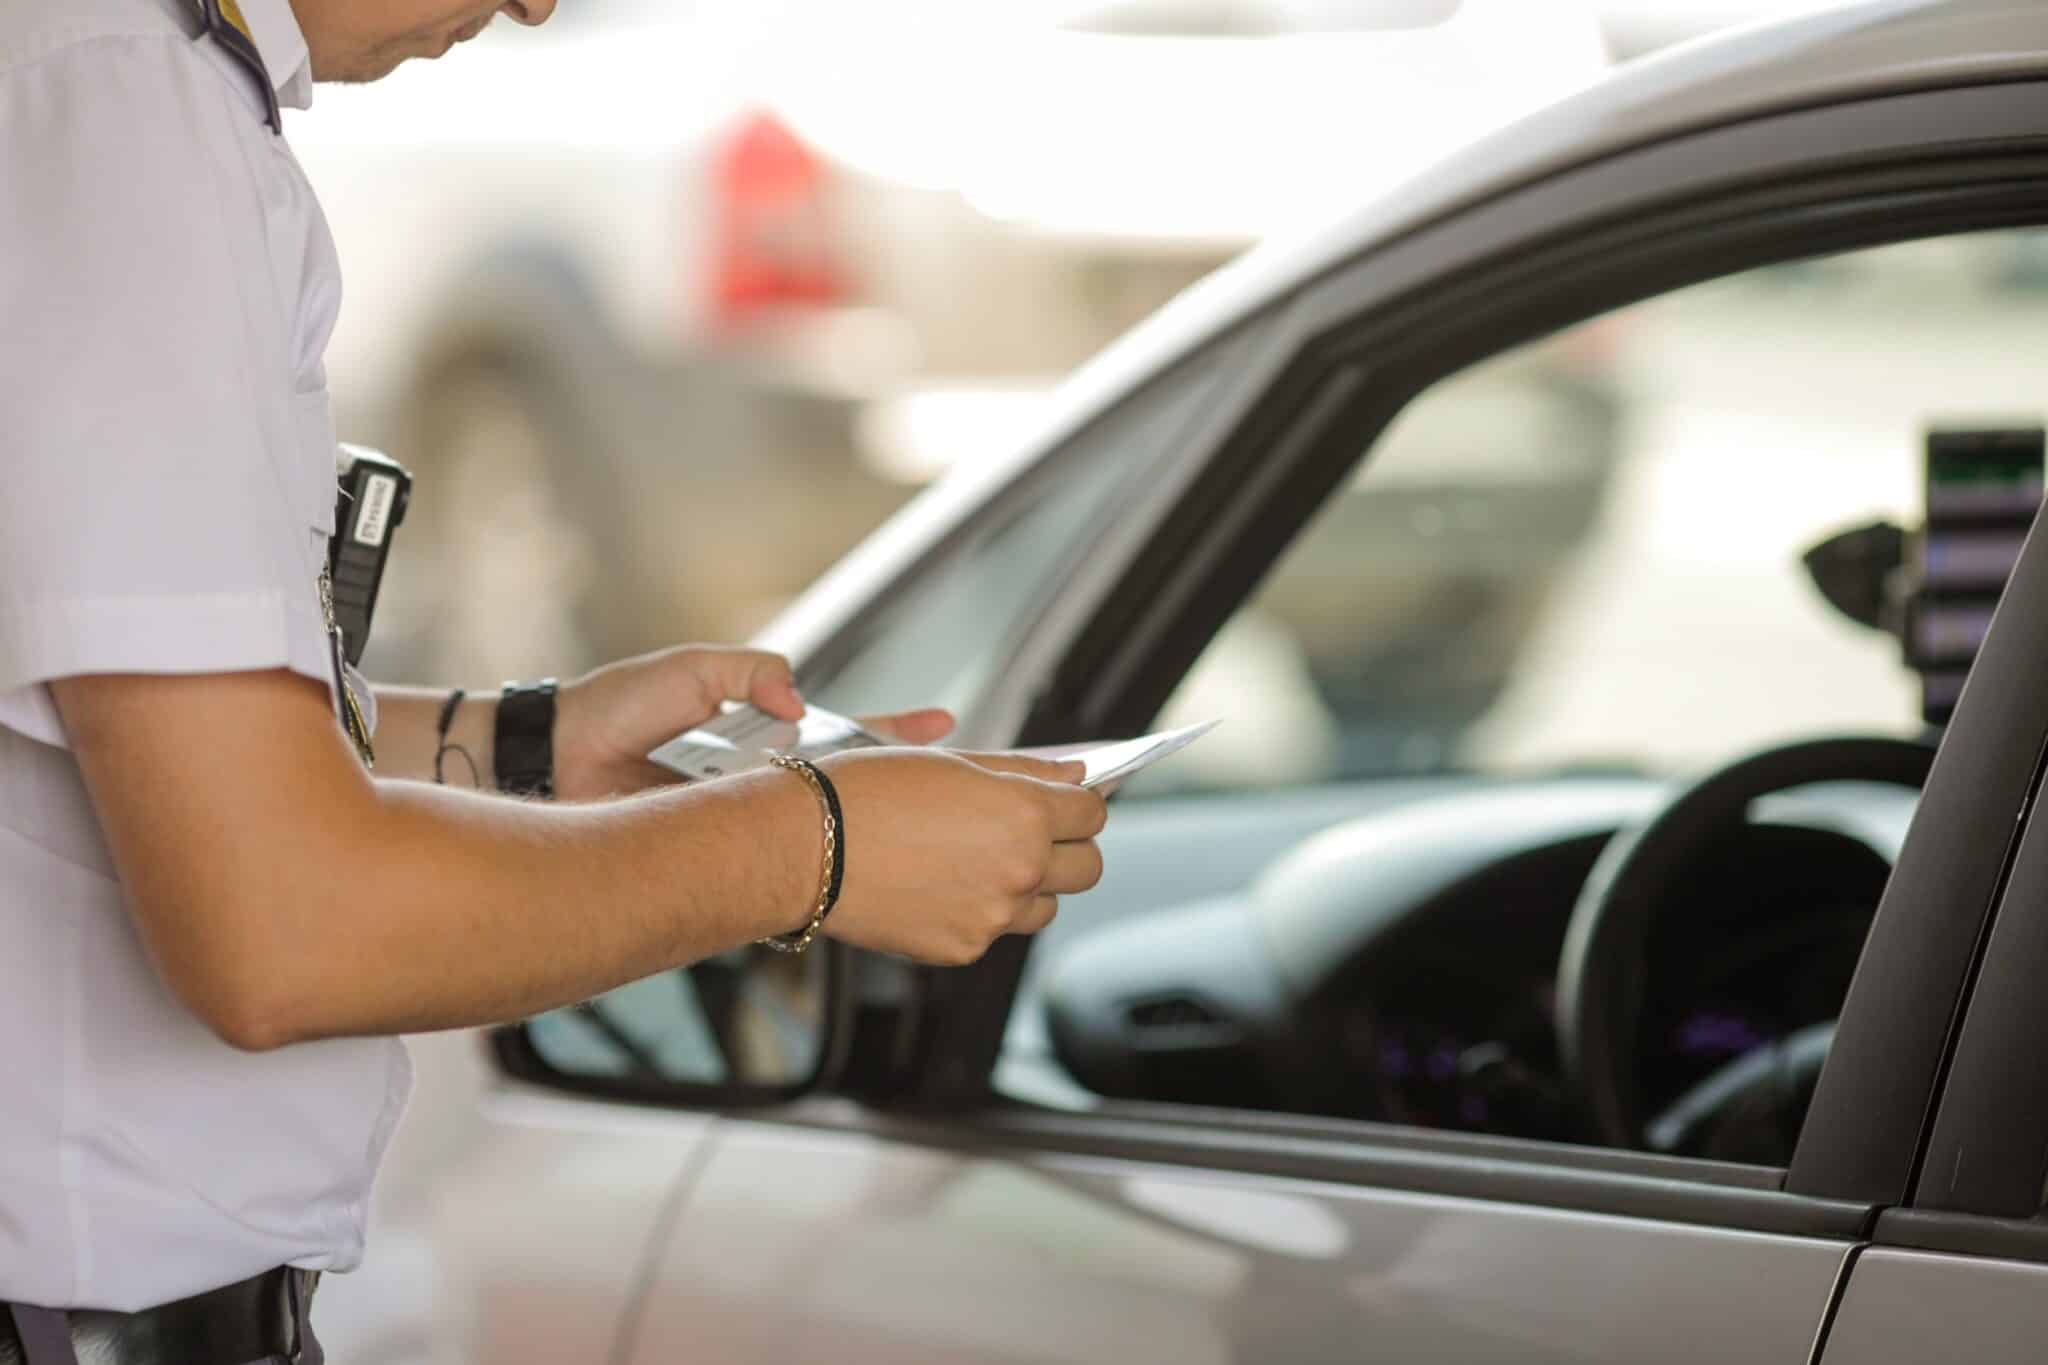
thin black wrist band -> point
(838, 818)
(441, 745)
(448, 714)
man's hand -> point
(947, 852)
(608, 719)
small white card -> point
(744, 738)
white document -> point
(744, 738)
(1127, 758)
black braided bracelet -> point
(838, 818)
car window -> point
(936, 641)
(1562, 583)
(1585, 554)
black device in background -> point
(1984, 486)
(1934, 588)
(371, 496)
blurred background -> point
(670, 302)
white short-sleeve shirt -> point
(167, 286)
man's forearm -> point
(460, 910)
(285, 894)
(407, 742)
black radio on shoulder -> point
(373, 490)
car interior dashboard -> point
(1403, 966)
(1618, 960)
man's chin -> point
(360, 68)
(374, 66)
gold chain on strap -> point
(801, 939)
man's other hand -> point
(607, 720)
(947, 852)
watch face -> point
(525, 755)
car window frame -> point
(1231, 360)
(1756, 192)
(1979, 1182)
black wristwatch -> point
(525, 755)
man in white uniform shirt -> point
(215, 915)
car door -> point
(929, 1218)
(1961, 1267)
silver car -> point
(1611, 970)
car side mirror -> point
(747, 1028)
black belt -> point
(259, 1320)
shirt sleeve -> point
(145, 507)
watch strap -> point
(524, 755)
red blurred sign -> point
(771, 239)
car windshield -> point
(1586, 553)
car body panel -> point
(797, 1245)
(1906, 1307)
(469, 1265)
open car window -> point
(1564, 583)
(1585, 554)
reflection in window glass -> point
(750, 1017)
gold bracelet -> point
(798, 940)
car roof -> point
(1858, 51)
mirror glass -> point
(745, 1019)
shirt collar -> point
(275, 30)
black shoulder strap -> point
(226, 26)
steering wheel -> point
(1601, 982)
